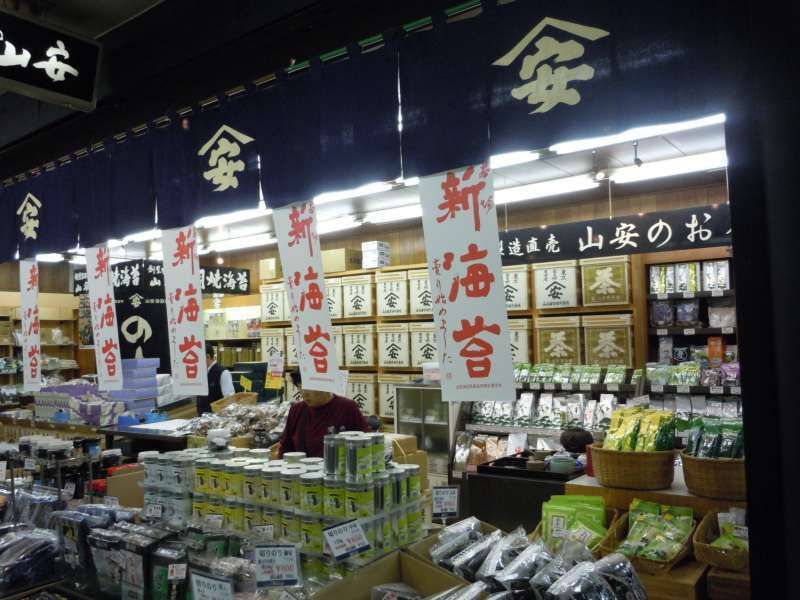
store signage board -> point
(31, 327)
(460, 225)
(277, 565)
(103, 309)
(47, 64)
(182, 283)
(149, 273)
(301, 258)
(684, 229)
(445, 501)
(346, 540)
(211, 588)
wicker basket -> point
(633, 470)
(718, 478)
(617, 534)
(704, 552)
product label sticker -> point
(211, 588)
(727, 330)
(154, 510)
(176, 571)
(688, 295)
(445, 501)
(30, 464)
(741, 532)
(662, 296)
(68, 493)
(586, 387)
(612, 387)
(567, 387)
(661, 331)
(657, 387)
(689, 331)
(277, 565)
(268, 531)
(717, 389)
(683, 389)
(736, 390)
(215, 521)
(112, 501)
(716, 293)
(549, 387)
(346, 540)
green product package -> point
(615, 374)
(545, 373)
(577, 373)
(562, 374)
(710, 439)
(591, 374)
(562, 514)
(730, 438)
(586, 531)
(656, 532)
(656, 431)
(636, 377)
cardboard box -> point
(519, 333)
(291, 351)
(357, 295)
(391, 290)
(386, 393)
(273, 302)
(516, 286)
(393, 568)
(125, 486)
(375, 254)
(273, 342)
(359, 345)
(340, 259)
(361, 388)
(423, 343)
(393, 345)
(333, 290)
(269, 268)
(606, 280)
(419, 292)
(556, 284)
(402, 443)
(338, 341)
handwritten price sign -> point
(346, 540)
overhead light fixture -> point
(337, 224)
(77, 250)
(542, 189)
(509, 159)
(390, 215)
(78, 260)
(370, 188)
(156, 255)
(599, 175)
(637, 133)
(115, 243)
(49, 258)
(241, 243)
(142, 236)
(709, 161)
(220, 260)
(234, 217)
(410, 182)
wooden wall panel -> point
(53, 277)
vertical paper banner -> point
(298, 244)
(461, 240)
(182, 289)
(102, 304)
(31, 338)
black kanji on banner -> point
(699, 227)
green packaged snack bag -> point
(710, 440)
(587, 532)
(642, 507)
(562, 374)
(615, 374)
(577, 373)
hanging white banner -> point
(182, 289)
(31, 337)
(104, 318)
(461, 240)
(301, 258)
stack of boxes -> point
(139, 385)
(375, 254)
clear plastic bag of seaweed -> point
(581, 582)
(442, 552)
(618, 571)
(467, 562)
(529, 562)
(471, 592)
(503, 553)
(570, 554)
(470, 525)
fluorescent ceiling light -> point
(234, 217)
(142, 236)
(637, 133)
(49, 258)
(675, 166)
(552, 187)
(410, 182)
(78, 260)
(498, 161)
(371, 188)
(77, 250)
(115, 243)
(390, 215)
(337, 224)
(250, 241)
(156, 255)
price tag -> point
(662, 296)
(657, 388)
(112, 501)
(716, 293)
(444, 501)
(741, 532)
(211, 588)
(717, 389)
(2, 470)
(68, 493)
(688, 295)
(661, 331)
(176, 571)
(215, 521)
(268, 531)
(689, 331)
(683, 389)
(30, 464)
(548, 387)
(586, 387)
(612, 387)
(154, 510)
(535, 386)
(277, 565)
(736, 390)
(346, 540)
(727, 330)
(567, 387)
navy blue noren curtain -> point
(93, 197)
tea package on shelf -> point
(615, 374)
(656, 532)
(733, 530)
(576, 518)
(641, 429)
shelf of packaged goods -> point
(46, 345)
(509, 429)
(688, 331)
(718, 390)
(274, 324)
(690, 295)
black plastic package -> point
(570, 554)
(530, 561)
(581, 582)
(618, 571)
(467, 562)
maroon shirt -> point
(340, 413)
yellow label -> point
(274, 382)
(246, 384)
(334, 502)
(311, 535)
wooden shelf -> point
(697, 331)
(691, 295)
(602, 388)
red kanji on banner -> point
(192, 307)
(33, 277)
(457, 199)
(301, 227)
(103, 259)
(318, 350)
(110, 356)
(314, 295)
(190, 357)
(106, 318)
(477, 351)
(33, 355)
(185, 250)
(33, 318)
(478, 280)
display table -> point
(143, 440)
(676, 495)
